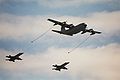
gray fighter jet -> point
(59, 67)
(13, 58)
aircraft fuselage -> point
(60, 67)
(74, 30)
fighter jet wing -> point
(97, 32)
(18, 54)
(65, 63)
(57, 31)
(59, 23)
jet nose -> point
(54, 65)
(7, 56)
(84, 24)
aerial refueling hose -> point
(41, 35)
(79, 44)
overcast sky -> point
(21, 21)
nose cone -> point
(84, 24)
(6, 56)
(53, 65)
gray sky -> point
(22, 21)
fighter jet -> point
(91, 31)
(71, 28)
(59, 67)
(13, 58)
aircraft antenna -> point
(41, 35)
(79, 44)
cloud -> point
(100, 63)
(59, 3)
(20, 26)
(66, 3)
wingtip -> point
(67, 62)
(48, 19)
(21, 53)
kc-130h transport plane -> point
(72, 29)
